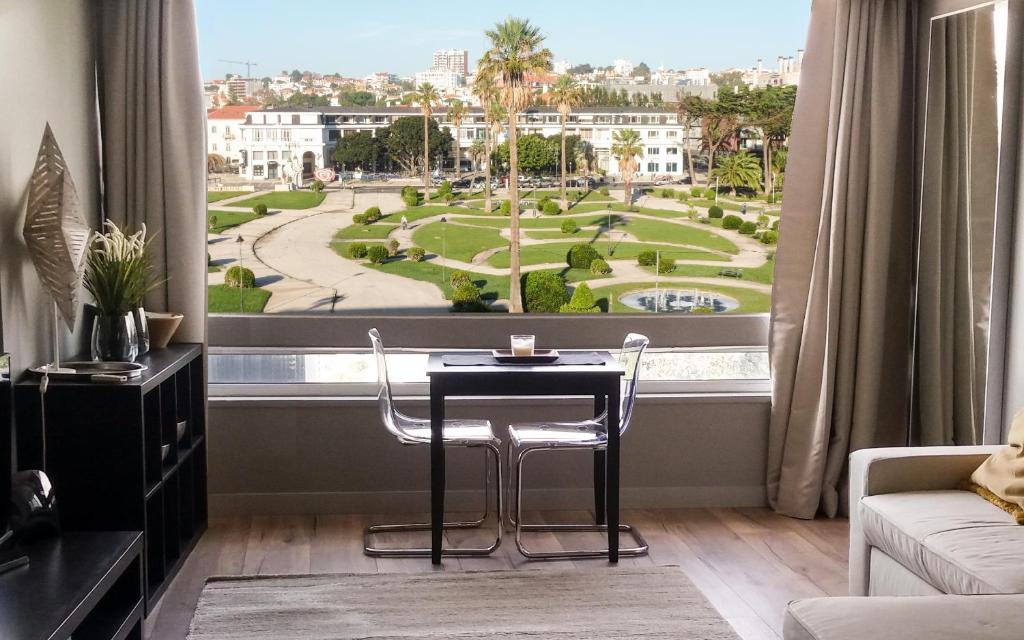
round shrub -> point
(545, 292)
(378, 254)
(550, 208)
(506, 208)
(569, 226)
(775, 225)
(371, 215)
(582, 301)
(666, 265)
(466, 298)
(213, 222)
(357, 250)
(240, 278)
(460, 278)
(392, 247)
(416, 254)
(748, 228)
(770, 237)
(667, 193)
(682, 196)
(731, 222)
(259, 209)
(603, 191)
(715, 211)
(359, 219)
(316, 186)
(410, 196)
(697, 192)
(599, 267)
(762, 220)
(581, 255)
(647, 258)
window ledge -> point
(224, 401)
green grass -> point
(224, 299)
(284, 200)
(217, 196)
(762, 274)
(554, 194)
(228, 219)
(212, 269)
(544, 222)
(558, 235)
(375, 231)
(555, 252)
(749, 301)
(460, 242)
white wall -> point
(47, 75)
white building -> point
(623, 67)
(224, 132)
(306, 138)
(454, 60)
(444, 80)
(561, 67)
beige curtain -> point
(153, 117)
(841, 312)
(961, 138)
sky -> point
(354, 39)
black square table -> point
(602, 381)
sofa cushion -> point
(996, 617)
(954, 540)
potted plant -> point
(118, 275)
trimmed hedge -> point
(550, 208)
(371, 215)
(377, 254)
(775, 225)
(715, 211)
(357, 250)
(466, 299)
(410, 196)
(545, 292)
(748, 228)
(416, 254)
(259, 209)
(647, 258)
(506, 208)
(603, 191)
(731, 222)
(770, 237)
(582, 301)
(581, 255)
(392, 247)
(240, 278)
(697, 192)
(316, 186)
(359, 219)
(460, 278)
(599, 267)
(569, 226)
(666, 265)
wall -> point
(47, 75)
(329, 456)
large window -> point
(341, 224)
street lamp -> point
(716, 190)
(241, 275)
(444, 251)
(609, 212)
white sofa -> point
(913, 533)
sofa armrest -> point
(895, 470)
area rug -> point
(590, 604)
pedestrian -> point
(405, 223)
(743, 208)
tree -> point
(565, 95)
(515, 52)
(478, 153)
(688, 120)
(359, 149)
(488, 94)
(626, 146)
(643, 71)
(769, 112)
(357, 99)
(426, 95)
(403, 141)
(581, 69)
(719, 121)
(295, 75)
(456, 114)
(727, 79)
(738, 170)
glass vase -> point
(141, 329)
(114, 338)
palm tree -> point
(688, 120)
(515, 53)
(478, 152)
(427, 96)
(496, 116)
(626, 147)
(565, 95)
(456, 114)
(738, 170)
(486, 92)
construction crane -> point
(248, 66)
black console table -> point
(86, 586)
(127, 457)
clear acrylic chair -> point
(412, 431)
(532, 437)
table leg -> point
(612, 488)
(436, 471)
(599, 470)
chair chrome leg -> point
(626, 552)
(490, 451)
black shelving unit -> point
(104, 456)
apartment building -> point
(307, 137)
(223, 132)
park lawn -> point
(227, 219)
(284, 200)
(554, 194)
(459, 242)
(543, 222)
(375, 231)
(762, 274)
(750, 301)
(554, 252)
(217, 196)
(224, 299)
(341, 247)
(558, 235)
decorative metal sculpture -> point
(56, 232)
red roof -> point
(231, 112)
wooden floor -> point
(748, 562)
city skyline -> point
(252, 30)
